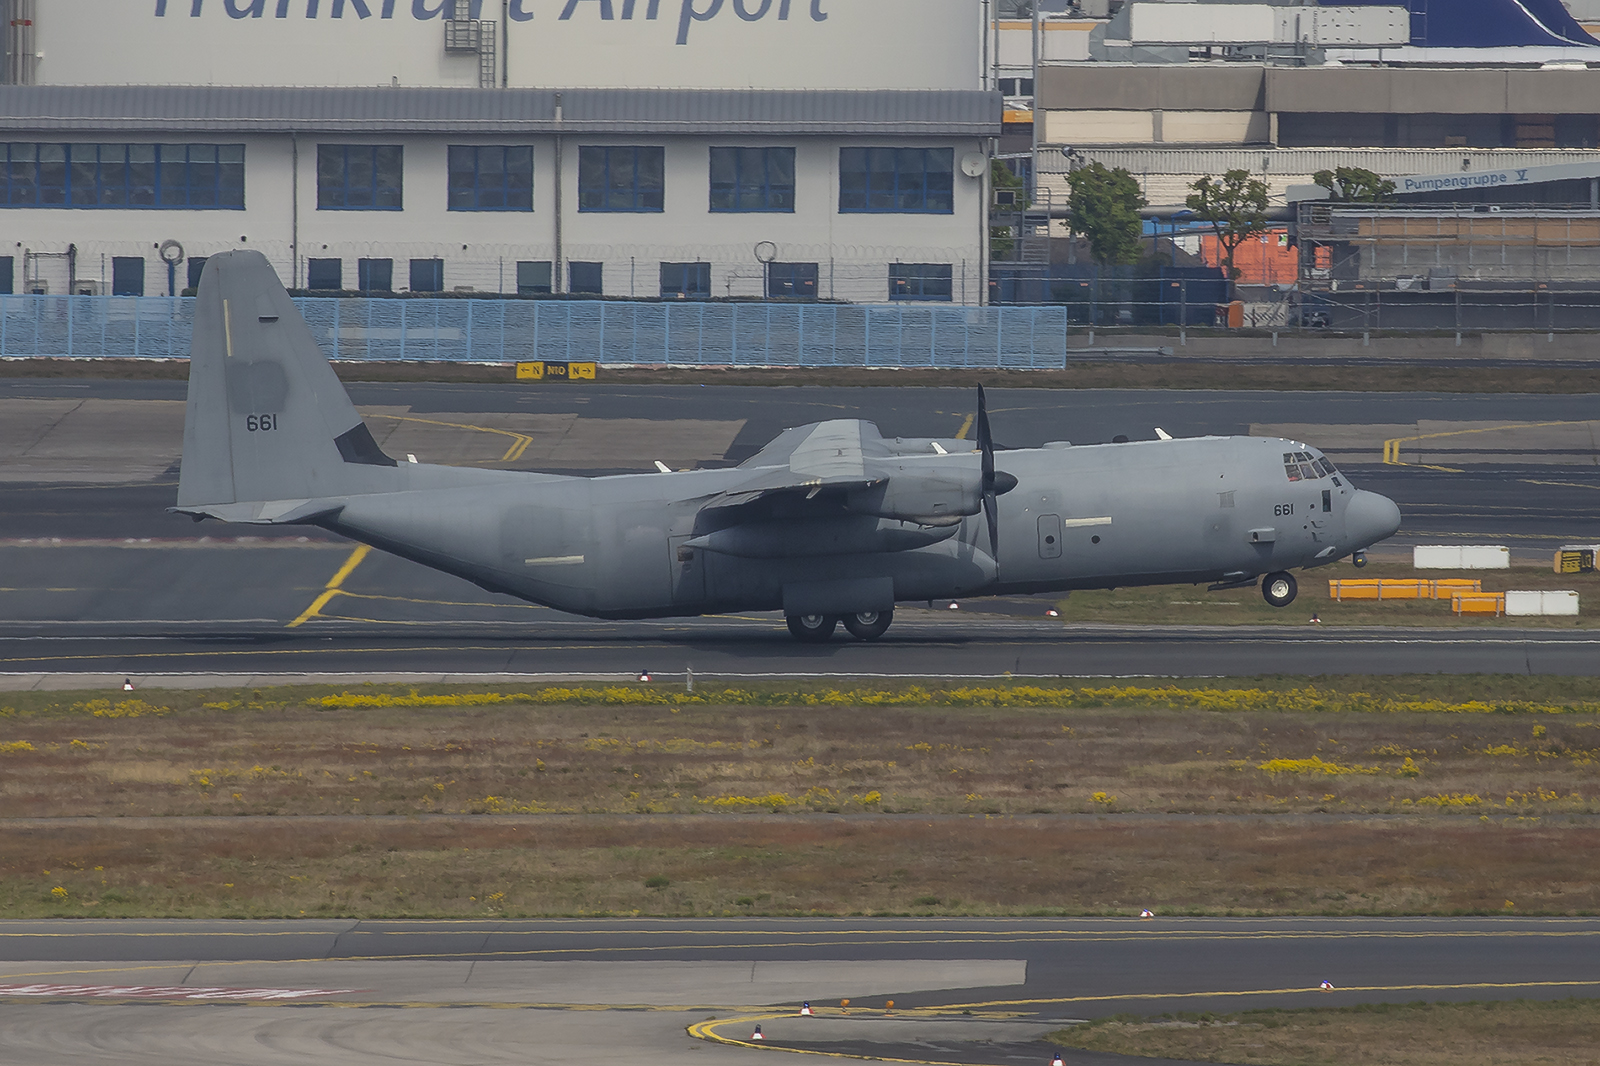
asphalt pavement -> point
(962, 990)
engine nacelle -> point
(925, 493)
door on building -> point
(127, 275)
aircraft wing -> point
(845, 467)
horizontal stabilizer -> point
(264, 512)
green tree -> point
(1105, 208)
(1355, 185)
(1236, 208)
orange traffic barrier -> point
(1479, 603)
(1399, 588)
(1379, 588)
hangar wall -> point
(283, 79)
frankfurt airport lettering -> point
(608, 10)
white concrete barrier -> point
(1542, 602)
(1461, 557)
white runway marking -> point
(53, 991)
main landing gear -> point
(1279, 589)
(818, 628)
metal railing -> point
(779, 334)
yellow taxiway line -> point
(1391, 448)
(331, 589)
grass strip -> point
(1406, 795)
(681, 866)
(1564, 1032)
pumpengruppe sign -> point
(1472, 180)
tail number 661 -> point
(261, 423)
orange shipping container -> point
(1264, 259)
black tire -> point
(868, 625)
(812, 628)
(1279, 589)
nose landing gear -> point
(1279, 589)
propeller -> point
(995, 482)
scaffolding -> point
(1442, 247)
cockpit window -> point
(1304, 466)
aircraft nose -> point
(1370, 518)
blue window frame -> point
(140, 176)
(791, 281)
(197, 267)
(325, 273)
(897, 180)
(752, 179)
(621, 178)
(686, 281)
(359, 177)
(919, 281)
(427, 275)
(585, 278)
(127, 275)
(7, 275)
(375, 275)
(492, 177)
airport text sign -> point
(689, 11)
(1493, 179)
(547, 371)
(704, 44)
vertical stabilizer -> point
(267, 418)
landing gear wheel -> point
(1279, 589)
(868, 625)
(812, 628)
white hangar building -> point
(812, 149)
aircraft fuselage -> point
(1203, 509)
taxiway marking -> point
(167, 992)
(331, 589)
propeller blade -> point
(995, 483)
(985, 441)
(991, 512)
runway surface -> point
(964, 990)
(100, 581)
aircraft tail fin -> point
(267, 419)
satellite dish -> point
(973, 164)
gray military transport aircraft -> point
(829, 522)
